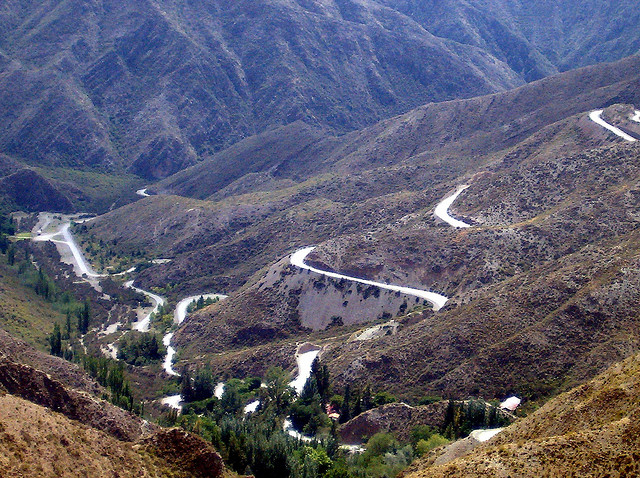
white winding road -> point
(143, 192)
(143, 325)
(636, 116)
(442, 209)
(80, 264)
(168, 360)
(437, 300)
(181, 309)
(178, 317)
(596, 117)
(304, 361)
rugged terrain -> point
(218, 139)
(361, 181)
(155, 86)
(591, 430)
(49, 428)
(542, 284)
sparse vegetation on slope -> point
(591, 430)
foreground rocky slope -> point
(590, 431)
(39, 442)
(50, 428)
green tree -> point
(367, 401)
(186, 385)
(11, 255)
(278, 392)
(55, 341)
(67, 326)
(84, 317)
(434, 441)
(345, 412)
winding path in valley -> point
(62, 237)
(144, 324)
(178, 317)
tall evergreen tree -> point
(55, 341)
(67, 326)
(345, 412)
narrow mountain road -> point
(437, 300)
(304, 361)
(178, 317)
(636, 116)
(167, 365)
(442, 209)
(158, 301)
(63, 236)
(143, 192)
(596, 117)
(181, 309)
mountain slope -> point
(541, 285)
(591, 430)
(51, 427)
(155, 86)
(316, 186)
(534, 38)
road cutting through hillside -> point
(596, 117)
(437, 300)
(636, 116)
(442, 209)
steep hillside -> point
(29, 191)
(534, 38)
(39, 442)
(438, 136)
(24, 313)
(157, 85)
(537, 285)
(333, 186)
(50, 428)
(590, 431)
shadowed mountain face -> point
(155, 86)
(533, 38)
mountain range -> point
(151, 87)
(439, 199)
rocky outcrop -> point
(70, 374)
(38, 387)
(187, 451)
(395, 418)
